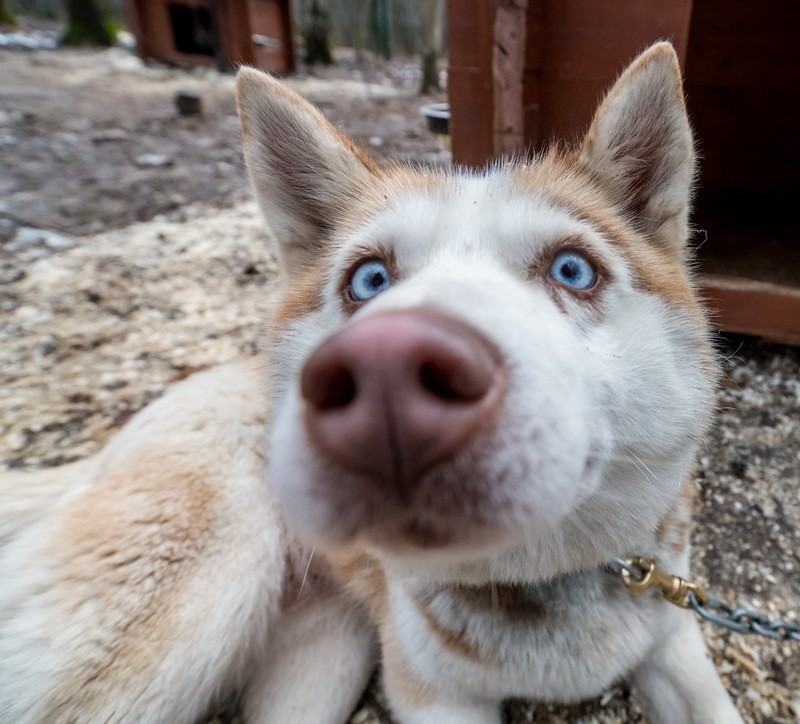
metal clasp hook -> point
(675, 589)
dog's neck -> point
(532, 602)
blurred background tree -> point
(91, 22)
(6, 16)
(383, 28)
(432, 13)
(318, 49)
(386, 27)
(88, 23)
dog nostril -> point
(437, 379)
(448, 382)
(329, 389)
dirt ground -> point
(130, 255)
(104, 126)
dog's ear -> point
(639, 147)
(303, 171)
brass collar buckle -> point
(675, 589)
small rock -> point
(48, 346)
(57, 241)
(10, 274)
(364, 716)
(109, 134)
(607, 697)
(19, 439)
(78, 125)
(765, 707)
(27, 236)
(154, 160)
(62, 153)
(126, 41)
(188, 103)
(7, 228)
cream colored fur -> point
(162, 574)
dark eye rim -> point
(346, 287)
(599, 271)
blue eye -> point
(369, 279)
(573, 270)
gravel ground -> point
(94, 327)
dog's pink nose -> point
(395, 393)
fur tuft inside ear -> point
(302, 170)
(639, 147)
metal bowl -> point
(438, 117)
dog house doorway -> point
(222, 33)
(192, 29)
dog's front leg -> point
(678, 682)
(316, 667)
(414, 701)
(448, 712)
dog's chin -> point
(459, 513)
(428, 541)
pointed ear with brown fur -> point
(639, 147)
(302, 170)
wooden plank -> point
(531, 81)
(133, 21)
(233, 26)
(748, 307)
(508, 70)
(580, 48)
(470, 43)
(270, 35)
(576, 49)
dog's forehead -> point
(473, 213)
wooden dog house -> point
(525, 72)
(225, 33)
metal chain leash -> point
(641, 574)
(744, 620)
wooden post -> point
(470, 47)
(487, 48)
(508, 69)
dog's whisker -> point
(305, 573)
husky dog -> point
(482, 388)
